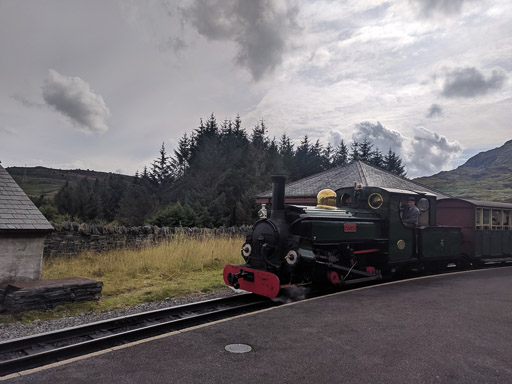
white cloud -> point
(430, 152)
(74, 98)
(427, 152)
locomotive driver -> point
(411, 213)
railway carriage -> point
(486, 228)
(339, 243)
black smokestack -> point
(277, 195)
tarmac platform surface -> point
(454, 328)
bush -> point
(176, 215)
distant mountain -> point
(41, 180)
(485, 176)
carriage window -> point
(486, 220)
(478, 218)
(496, 218)
(506, 220)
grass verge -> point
(182, 266)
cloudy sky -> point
(100, 84)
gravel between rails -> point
(18, 330)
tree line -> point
(210, 180)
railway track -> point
(30, 352)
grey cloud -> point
(429, 8)
(381, 137)
(469, 82)
(260, 28)
(434, 110)
(177, 44)
(334, 137)
(430, 152)
(26, 102)
(73, 97)
(7, 131)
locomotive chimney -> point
(278, 197)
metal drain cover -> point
(238, 348)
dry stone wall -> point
(71, 238)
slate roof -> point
(17, 212)
(341, 177)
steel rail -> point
(37, 350)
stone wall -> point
(71, 238)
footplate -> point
(252, 280)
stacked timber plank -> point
(47, 294)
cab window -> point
(422, 204)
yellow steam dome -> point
(326, 199)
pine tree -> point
(354, 148)
(365, 150)
(287, 154)
(64, 200)
(341, 155)
(161, 171)
(137, 205)
(258, 137)
(377, 158)
(180, 162)
(302, 159)
(393, 164)
(328, 157)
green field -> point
(36, 181)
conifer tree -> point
(354, 151)
(327, 157)
(341, 155)
(161, 171)
(137, 205)
(365, 150)
(377, 158)
(180, 161)
(393, 164)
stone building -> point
(304, 191)
(23, 230)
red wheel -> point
(333, 277)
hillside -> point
(36, 181)
(485, 176)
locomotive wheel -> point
(333, 277)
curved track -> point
(37, 350)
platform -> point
(453, 328)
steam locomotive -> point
(338, 244)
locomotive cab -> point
(410, 245)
